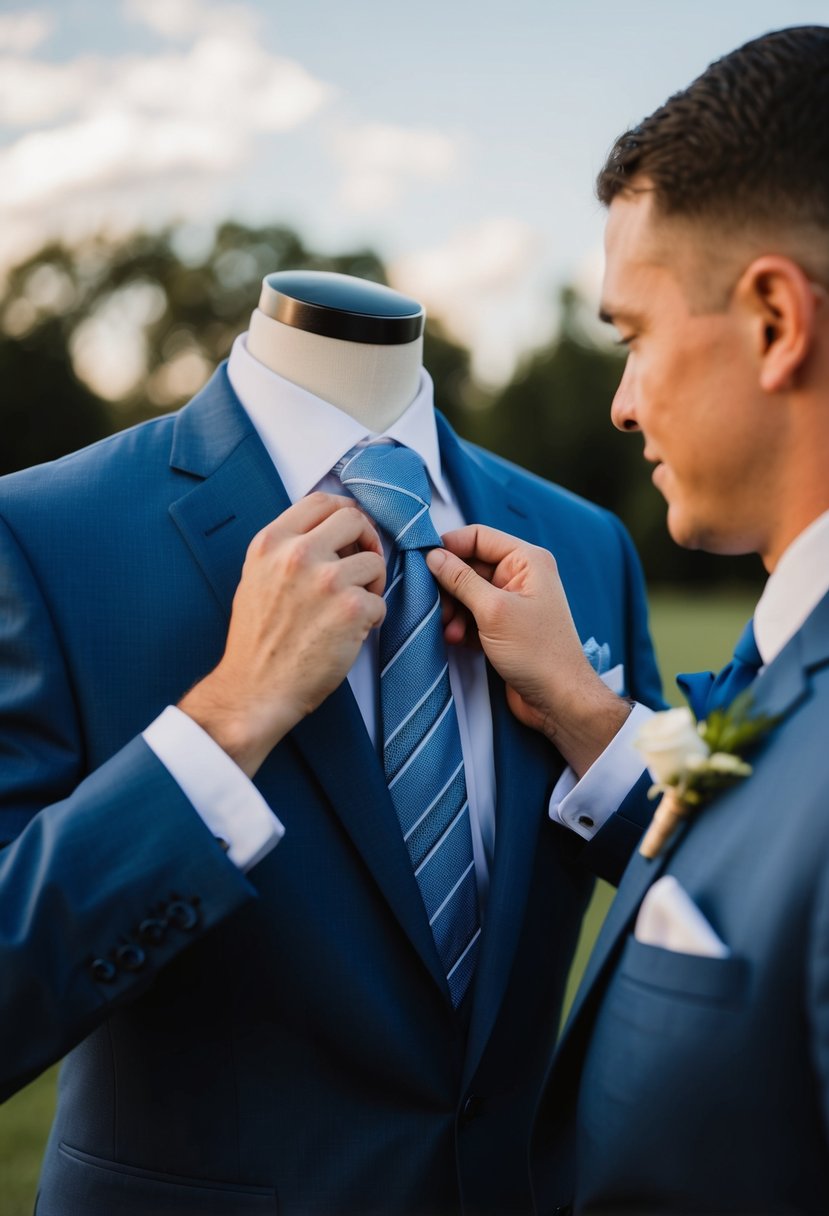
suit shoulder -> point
(548, 494)
(93, 471)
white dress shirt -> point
(796, 586)
(305, 437)
(794, 589)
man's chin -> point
(693, 534)
(681, 531)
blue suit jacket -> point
(281, 1041)
(705, 1081)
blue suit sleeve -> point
(104, 878)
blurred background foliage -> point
(105, 334)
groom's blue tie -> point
(422, 754)
(707, 692)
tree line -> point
(173, 312)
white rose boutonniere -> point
(691, 761)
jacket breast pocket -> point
(663, 1016)
(78, 1182)
(662, 986)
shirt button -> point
(585, 821)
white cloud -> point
(232, 83)
(37, 91)
(45, 166)
(381, 159)
(22, 32)
(482, 283)
(176, 19)
(114, 130)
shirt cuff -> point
(229, 804)
(585, 806)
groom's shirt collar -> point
(798, 583)
(306, 436)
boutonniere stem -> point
(692, 761)
(666, 819)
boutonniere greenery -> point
(692, 761)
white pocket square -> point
(669, 918)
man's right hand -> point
(507, 597)
(310, 593)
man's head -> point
(717, 277)
(745, 145)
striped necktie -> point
(422, 755)
(706, 691)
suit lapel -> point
(526, 767)
(237, 494)
(640, 874)
(777, 692)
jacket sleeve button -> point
(130, 956)
(182, 915)
(103, 970)
(152, 930)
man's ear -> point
(781, 303)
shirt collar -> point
(796, 586)
(306, 436)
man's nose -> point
(623, 409)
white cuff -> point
(585, 806)
(230, 805)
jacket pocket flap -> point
(698, 976)
(78, 1181)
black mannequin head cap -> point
(341, 306)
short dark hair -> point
(746, 142)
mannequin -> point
(355, 343)
(271, 1017)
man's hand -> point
(512, 603)
(310, 593)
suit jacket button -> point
(182, 915)
(565, 1211)
(472, 1107)
(152, 930)
(130, 956)
(103, 970)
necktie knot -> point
(390, 482)
(746, 651)
(708, 692)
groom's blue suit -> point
(282, 1041)
(704, 1082)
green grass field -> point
(689, 632)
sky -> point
(458, 138)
